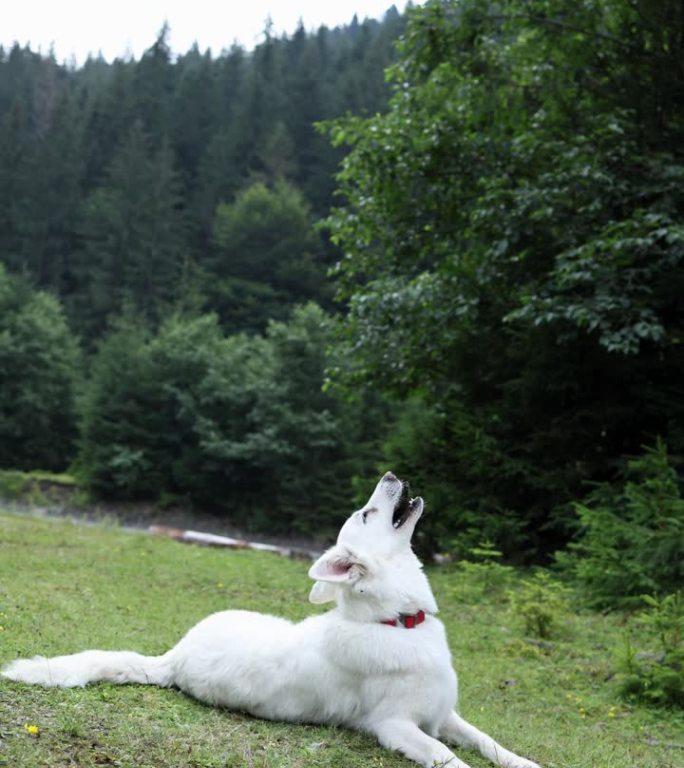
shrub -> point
(540, 602)
(442, 451)
(122, 419)
(239, 424)
(282, 445)
(632, 535)
(657, 677)
(38, 379)
(415, 448)
(36, 487)
(484, 575)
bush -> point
(441, 451)
(657, 677)
(239, 424)
(36, 487)
(540, 603)
(282, 443)
(265, 257)
(150, 410)
(123, 418)
(414, 448)
(632, 535)
(308, 444)
(39, 360)
(485, 575)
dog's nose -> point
(389, 477)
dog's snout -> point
(389, 477)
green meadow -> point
(67, 587)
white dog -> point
(378, 662)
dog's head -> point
(385, 524)
(372, 568)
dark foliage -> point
(118, 179)
(39, 361)
(509, 259)
(631, 539)
(237, 423)
(514, 252)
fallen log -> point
(214, 540)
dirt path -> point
(181, 524)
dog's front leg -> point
(457, 730)
(407, 738)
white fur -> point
(343, 667)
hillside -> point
(67, 587)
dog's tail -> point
(86, 667)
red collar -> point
(407, 620)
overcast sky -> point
(124, 27)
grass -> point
(37, 487)
(65, 587)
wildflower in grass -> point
(34, 730)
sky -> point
(119, 28)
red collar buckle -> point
(407, 620)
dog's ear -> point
(322, 592)
(337, 566)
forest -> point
(449, 243)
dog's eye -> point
(366, 512)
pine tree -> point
(265, 256)
(133, 236)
